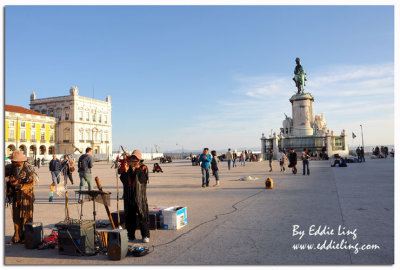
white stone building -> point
(81, 122)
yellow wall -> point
(47, 134)
(28, 132)
(38, 132)
(6, 132)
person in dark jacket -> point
(85, 164)
(135, 178)
(67, 166)
(362, 154)
(55, 169)
(292, 160)
(214, 167)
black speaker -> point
(114, 216)
(33, 234)
(76, 237)
(117, 244)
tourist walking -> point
(234, 158)
(205, 159)
(243, 158)
(293, 160)
(55, 170)
(38, 163)
(67, 169)
(270, 158)
(214, 167)
(229, 157)
(135, 177)
(282, 159)
(85, 165)
(306, 160)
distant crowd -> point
(382, 152)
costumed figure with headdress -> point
(20, 179)
(135, 177)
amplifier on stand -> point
(33, 234)
(76, 237)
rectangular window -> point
(94, 117)
(22, 124)
(87, 116)
(81, 115)
(33, 133)
(23, 135)
(11, 134)
(42, 136)
(52, 137)
(105, 118)
(11, 124)
(67, 115)
(99, 118)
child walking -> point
(214, 167)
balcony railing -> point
(65, 141)
(11, 139)
(22, 140)
(81, 141)
(33, 140)
(42, 141)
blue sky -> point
(207, 76)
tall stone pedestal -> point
(302, 113)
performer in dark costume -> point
(135, 178)
(20, 178)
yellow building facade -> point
(29, 131)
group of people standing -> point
(208, 161)
(382, 152)
(292, 158)
(360, 154)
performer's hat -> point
(18, 156)
(137, 154)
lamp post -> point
(362, 137)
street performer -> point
(20, 178)
(135, 177)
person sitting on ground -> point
(343, 163)
(336, 163)
(157, 168)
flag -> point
(354, 135)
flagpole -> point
(362, 137)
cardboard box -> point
(174, 217)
